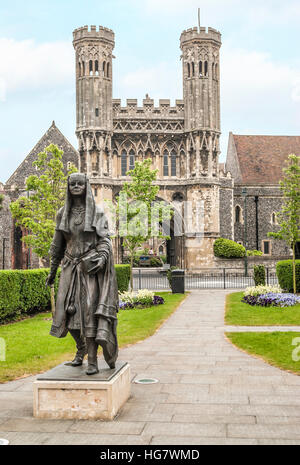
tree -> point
(138, 212)
(289, 216)
(45, 196)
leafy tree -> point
(289, 216)
(45, 196)
(138, 212)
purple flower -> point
(272, 300)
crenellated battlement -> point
(83, 33)
(148, 109)
(193, 34)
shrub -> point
(10, 293)
(123, 277)
(259, 275)
(284, 271)
(254, 253)
(24, 291)
(155, 261)
(225, 248)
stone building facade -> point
(183, 144)
(14, 253)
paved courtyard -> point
(209, 392)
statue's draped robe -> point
(87, 302)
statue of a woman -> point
(87, 299)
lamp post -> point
(244, 193)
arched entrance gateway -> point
(172, 247)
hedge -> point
(259, 275)
(24, 291)
(284, 271)
(225, 248)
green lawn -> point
(241, 314)
(275, 348)
(30, 349)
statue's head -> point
(77, 184)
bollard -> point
(177, 281)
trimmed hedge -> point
(259, 275)
(123, 277)
(284, 271)
(24, 291)
(225, 248)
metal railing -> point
(202, 279)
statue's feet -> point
(77, 362)
(92, 370)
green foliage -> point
(45, 196)
(284, 271)
(155, 262)
(254, 253)
(289, 216)
(139, 214)
(23, 291)
(225, 248)
(259, 275)
(1, 201)
(123, 277)
(169, 274)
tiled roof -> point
(261, 158)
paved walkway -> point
(209, 392)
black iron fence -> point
(202, 279)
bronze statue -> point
(87, 300)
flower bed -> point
(269, 296)
(272, 299)
(143, 299)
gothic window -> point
(205, 68)
(131, 160)
(91, 67)
(273, 218)
(166, 164)
(213, 71)
(188, 70)
(200, 68)
(193, 69)
(173, 163)
(124, 164)
(107, 70)
(216, 71)
(96, 111)
(95, 191)
(79, 66)
(96, 68)
(83, 68)
(104, 68)
(238, 214)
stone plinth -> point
(66, 392)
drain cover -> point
(146, 381)
(4, 442)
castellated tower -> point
(201, 94)
(94, 118)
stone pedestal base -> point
(68, 393)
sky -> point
(260, 63)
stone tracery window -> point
(90, 67)
(238, 214)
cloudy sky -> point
(260, 63)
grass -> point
(31, 350)
(242, 314)
(275, 348)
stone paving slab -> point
(209, 392)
